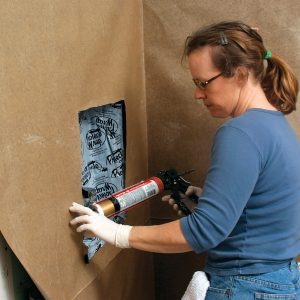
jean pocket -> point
(264, 296)
(217, 294)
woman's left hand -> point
(97, 224)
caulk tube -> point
(131, 196)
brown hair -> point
(237, 44)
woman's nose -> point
(199, 94)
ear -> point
(242, 75)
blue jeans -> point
(280, 285)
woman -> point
(247, 217)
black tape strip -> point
(115, 203)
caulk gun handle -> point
(183, 186)
(176, 196)
(183, 208)
(195, 198)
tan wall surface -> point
(57, 58)
(180, 129)
(128, 277)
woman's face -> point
(221, 95)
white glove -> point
(99, 225)
(191, 190)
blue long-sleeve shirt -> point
(248, 216)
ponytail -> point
(280, 84)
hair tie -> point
(267, 54)
(223, 39)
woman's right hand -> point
(191, 190)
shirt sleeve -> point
(234, 170)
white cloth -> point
(197, 287)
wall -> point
(57, 58)
(180, 129)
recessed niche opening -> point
(103, 149)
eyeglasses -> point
(202, 84)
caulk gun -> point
(135, 194)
